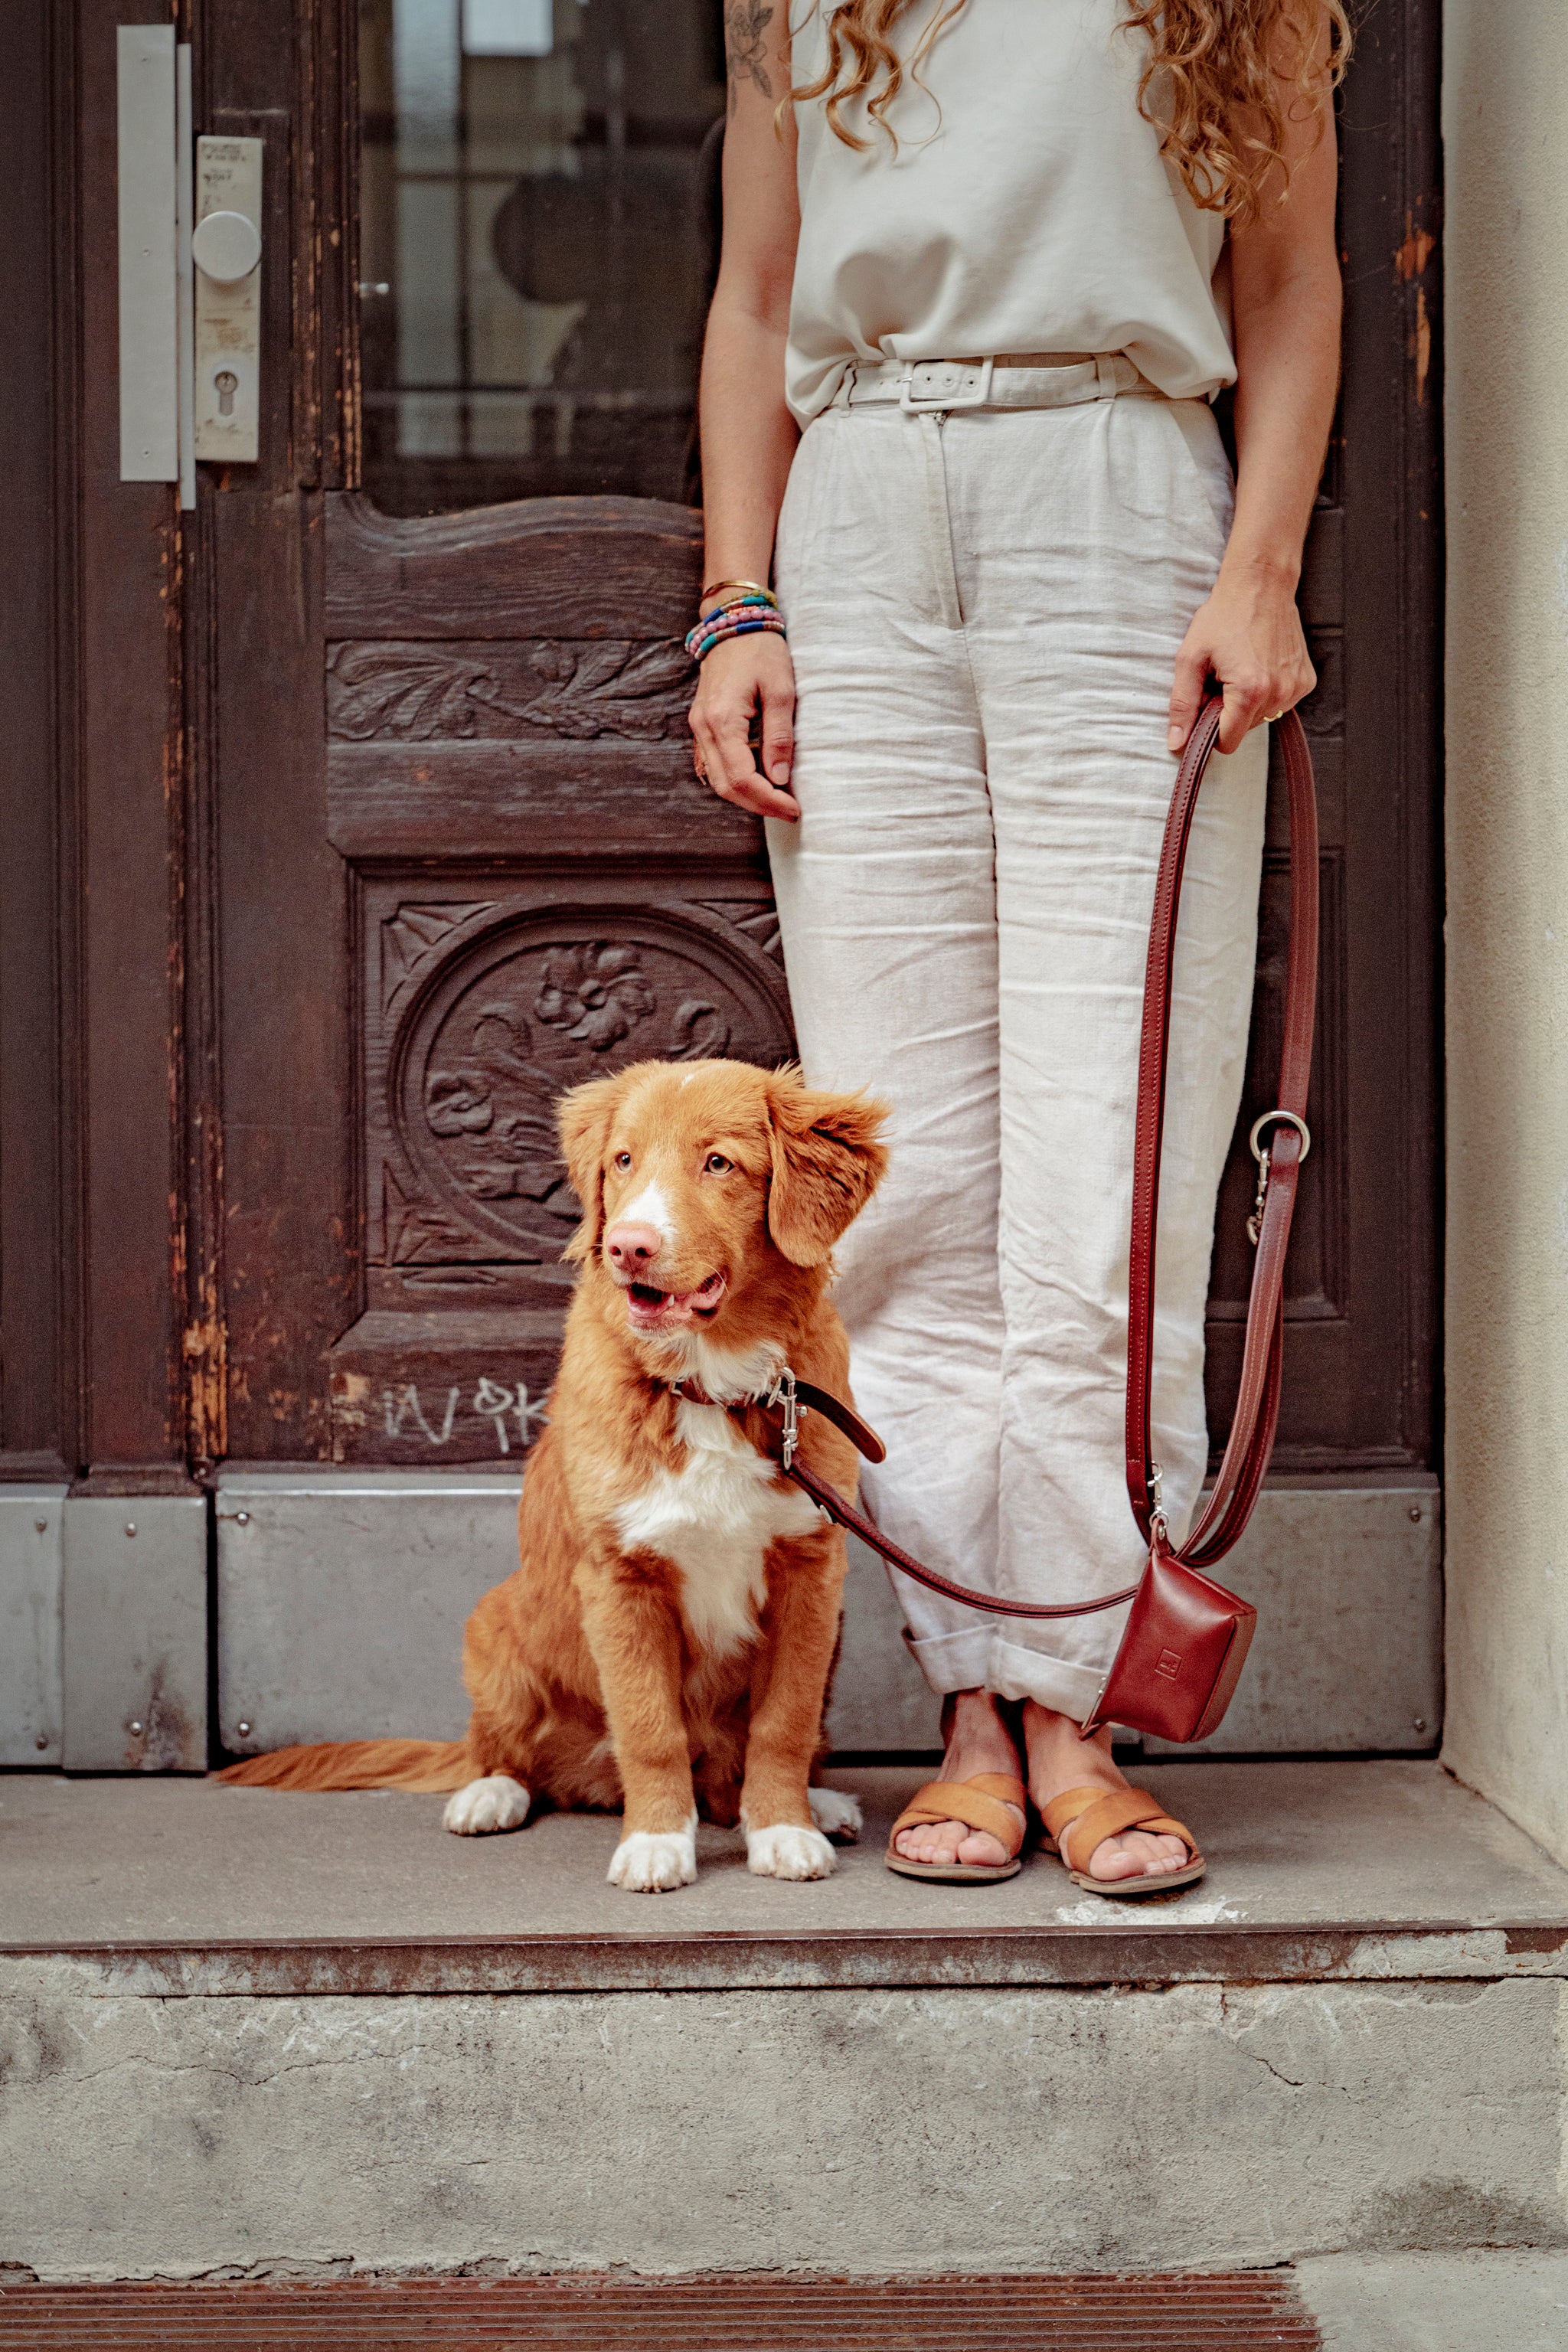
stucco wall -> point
(1505, 109)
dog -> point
(666, 1643)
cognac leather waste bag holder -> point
(1186, 1638)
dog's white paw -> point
(786, 1852)
(651, 1861)
(836, 1815)
(496, 1802)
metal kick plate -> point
(135, 1633)
(343, 1595)
(31, 1703)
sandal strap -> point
(981, 1804)
(1080, 1819)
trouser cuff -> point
(979, 1659)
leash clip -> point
(783, 1393)
(1264, 1157)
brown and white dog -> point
(666, 1643)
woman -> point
(985, 264)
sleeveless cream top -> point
(1027, 208)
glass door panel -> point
(538, 225)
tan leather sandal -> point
(982, 1804)
(1078, 1820)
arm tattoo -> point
(745, 47)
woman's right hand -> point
(739, 678)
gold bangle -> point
(755, 588)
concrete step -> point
(249, 2030)
(1438, 2302)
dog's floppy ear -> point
(584, 1116)
(829, 1159)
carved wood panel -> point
(484, 1013)
(542, 896)
(505, 693)
(478, 1014)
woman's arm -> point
(1285, 287)
(748, 434)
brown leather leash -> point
(1280, 1157)
(794, 1397)
(1251, 1440)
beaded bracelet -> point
(755, 598)
(745, 616)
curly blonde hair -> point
(1221, 80)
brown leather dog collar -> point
(808, 1398)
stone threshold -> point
(857, 1958)
(1318, 1872)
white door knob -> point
(227, 247)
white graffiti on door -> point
(498, 1402)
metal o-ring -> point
(1269, 1118)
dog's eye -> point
(717, 1165)
(622, 1159)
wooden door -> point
(451, 856)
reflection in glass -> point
(538, 219)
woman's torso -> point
(1027, 208)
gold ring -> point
(1271, 718)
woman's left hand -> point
(1249, 636)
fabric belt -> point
(1011, 380)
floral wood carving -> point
(596, 994)
(497, 1019)
(425, 693)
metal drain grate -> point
(1228, 2312)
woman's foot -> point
(978, 1740)
(1059, 1759)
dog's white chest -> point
(714, 1519)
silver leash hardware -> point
(1260, 1152)
(783, 1393)
(1157, 1520)
(1255, 1223)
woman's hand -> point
(1249, 636)
(739, 678)
(1285, 312)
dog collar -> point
(793, 1398)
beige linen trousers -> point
(985, 612)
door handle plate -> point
(227, 249)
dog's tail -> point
(430, 1766)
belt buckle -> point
(916, 403)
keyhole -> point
(227, 385)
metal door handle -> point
(225, 247)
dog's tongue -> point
(649, 1308)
